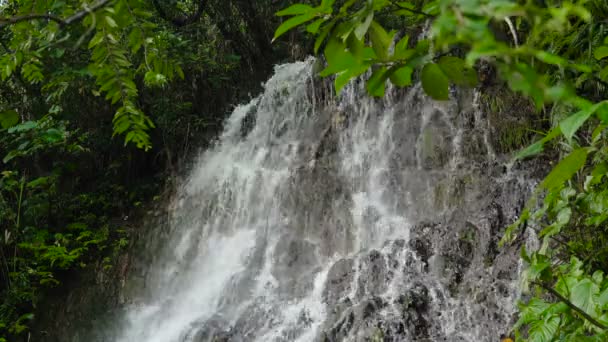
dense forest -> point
(103, 102)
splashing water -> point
(316, 218)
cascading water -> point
(317, 218)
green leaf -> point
(571, 124)
(538, 146)
(323, 34)
(431, 8)
(52, 135)
(583, 295)
(544, 330)
(602, 111)
(401, 49)
(355, 46)
(362, 28)
(291, 23)
(457, 71)
(338, 59)
(401, 76)
(566, 168)
(550, 58)
(327, 4)
(295, 10)
(26, 126)
(314, 27)
(111, 22)
(343, 78)
(381, 40)
(9, 118)
(434, 82)
(601, 52)
(377, 83)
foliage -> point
(555, 53)
(82, 85)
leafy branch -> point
(571, 305)
(61, 21)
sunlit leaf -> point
(291, 23)
(566, 168)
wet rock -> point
(435, 143)
(213, 330)
(339, 280)
(422, 247)
(248, 122)
(415, 304)
(373, 274)
(294, 266)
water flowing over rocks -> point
(323, 218)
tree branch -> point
(414, 11)
(62, 22)
(571, 305)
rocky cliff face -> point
(317, 218)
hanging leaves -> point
(434, 82)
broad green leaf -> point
(543, 330)
(566, 168)
(401, 48)
(135, 39)
(111, 21)
(381, 40)
(343, 78)
(291, 23)
(295, 10)
(338, 59)
(434, 82)
(602, 299)
(327, 4)
(601, 52)
(538, 265)
(325, 30)
(602, 111)
(550, 58)
(9, 118)
(401, 76)
(52, 135)
(571, 124)
(355, 46)
(376, 85)
(362, 28)
(314, 27)
(584, 294)
(431, 8)
(457, 71)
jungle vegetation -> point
(100, 102)
(86, 137)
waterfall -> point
(318, 217)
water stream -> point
(324, 218)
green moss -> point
(512, 119)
